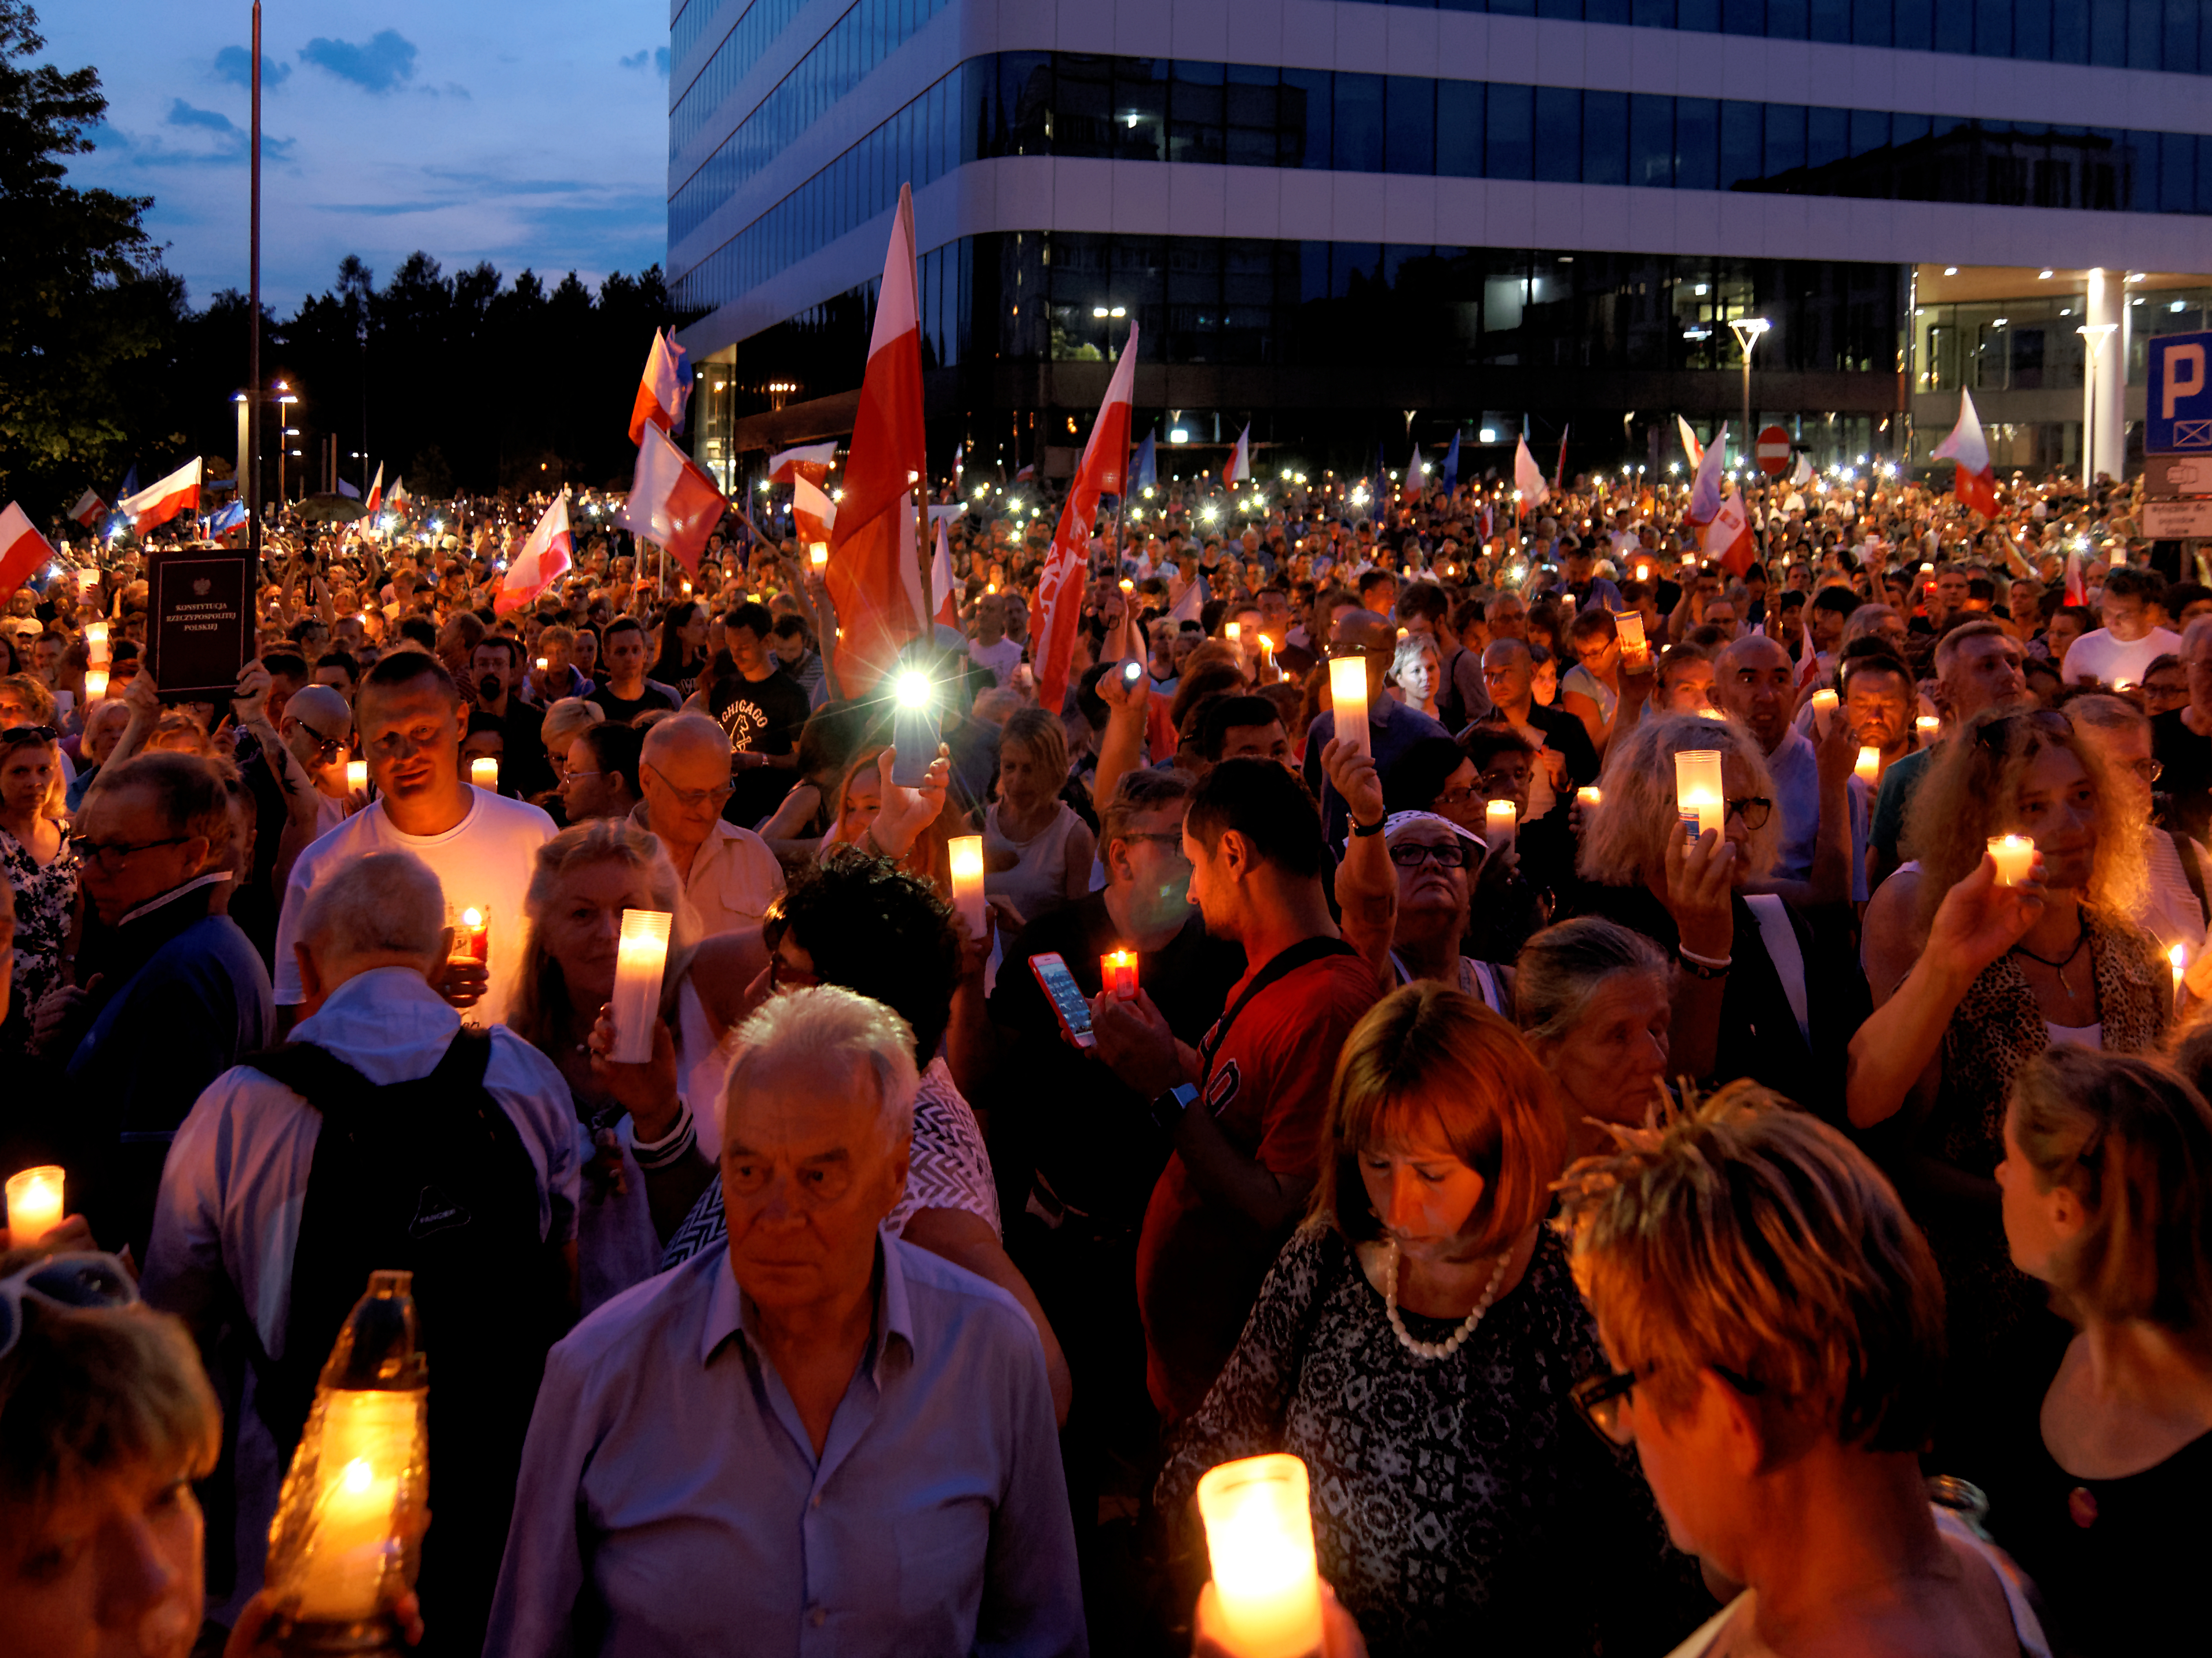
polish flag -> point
(1239, 469)
(376, 490)
(1528, 477)
(940, 582)
(663, 389)
(1415, 482)
(810, 460)
(540, 561)
(399, 495)
(23, 549)
(1967, 449)
(1691, 447)
(88, 509)
(812, 510)
(1728, 536)
(875, 565)
(2077, 590)
(161, 500)
(1067, 566)
(1705, 489)
(672, 501)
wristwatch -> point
(1168, 1108)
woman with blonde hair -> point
(1759, 991)
(1416, 1343)
(1416, 672)
(1037, 851)
(2096, 1483)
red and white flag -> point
(1415, 483)
(875, 569)
(161, 500)
(1691, 447)
(941, 584)
(88, 509)
(808, 461)
(1969, 452)
(539, 562)
(1528, 477)
(812, 512)
(1728, 536)
(1705, 489)
(1239, 469)
(2077, 590)
(23, 549)
(399, 495)
(1067, 566)
(662, 390)
(375, 491)
(671, 501)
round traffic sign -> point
(1773, 452)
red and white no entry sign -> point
(1773, 452)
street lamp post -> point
(252, 481)
(1747, 331)
(2095, 334)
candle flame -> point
(471, 918)
(357, 1477)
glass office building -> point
(1350, 223)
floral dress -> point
(45, 903)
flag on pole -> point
(162, 500)
(812, 512)
(1450, 468)
(1728, 536)
(1026, 473)
(1528, 477)
(1104, 471)
(1414, 481)
(88, 509)
(231, 517)
(376, 489)
(941, 586)
(1691, 447)
(1144, 472)
(1802, 474)
(542, 561)
(1239, 469)
(1705, 490)
(875, 572)
(347, 490)
(671, 501)
(2077, 590)
(1967, 450)
(663, 389)
(808, 461)
(399, 495)
(1559, 472)
(23, 549)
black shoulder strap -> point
(2186, 851)
(318, 1076)
(1282, 963)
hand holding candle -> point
(1501, 820)
(1824, 703)
(34, 1204)
(1117, 972)
(2014, 855)
(1347, 697)
(1698, 791)
(472, 936)
(1869, 769)
(966, 854)
(1635, 648)
(357, 776)
(1259, 1535)
(642, 957)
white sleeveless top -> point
(1038, 882)
(1481, 979)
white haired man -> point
(730, 877)
(820, 1439)
(397, 1140)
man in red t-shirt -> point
(1248, 1108)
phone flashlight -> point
(914, 728)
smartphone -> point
(914, 729)
(1065, 996)
(1133, 672)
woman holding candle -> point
(1975, 977)
(1422, 1320)
(41, 868)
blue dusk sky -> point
(527, 134)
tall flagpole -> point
(252, 481)
(925, 626)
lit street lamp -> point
(1748, 331)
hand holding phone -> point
(1068, 1002)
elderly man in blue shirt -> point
(823, 1442)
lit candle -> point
(1117, 970)
(541, 660)
(1697, 796)
(1347, 695)
(34, 1204)
(640, 958)
(1824, 704)
(1590, 795)
(357, 776)
(1232, 630)
(366, 1442)
(818, 554)
(472, 936)
(1268, 661)
(1928, 727)
(2178, 958)
(1127, 585)
(2014, 855)
(966, 852)
(1635, 648)
(96, 640)
(1869, 770)
(95, 684)
(1500, 821)
(1259, 1535)
(483, 772)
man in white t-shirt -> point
(481, 847)
(992, 647)
(2134, 635)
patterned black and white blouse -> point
(1460, 1505)
(45, 903)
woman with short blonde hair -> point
(1416, 1342)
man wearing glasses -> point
(730, 875)
(481, 846)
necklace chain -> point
(2080, 937)
(1452, 1343)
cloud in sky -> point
(657, 56)
(553, 156)
(378, 64)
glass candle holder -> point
(1258, 1536)
(1698, 791)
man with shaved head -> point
(1392, 727)
(1820, 808)
(730, 877)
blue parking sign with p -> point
(2179, 405)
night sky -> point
(527, 132)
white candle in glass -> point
(2014, 855)
(95, 641)
(1347, 697)
(34, 1204)
(1590, 795)
(1501, 820)
(357, 776)
(95, 684)
(640, 958)
(1869, 769)
(1634, 647)
(1259, 1535)
(1697, 789)
(966, 854)
(1928, 728)
(483, 772)
(1824, 707)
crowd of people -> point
(1851, 1182)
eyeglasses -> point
(2149, 770)
(16, 734)
(72, 1283)
(1173, 843)
(1457, 797)
(1449, 854)
(688, 799)
(326, 748)
(1754, 809)
(110, 854)
(1604, 1401)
